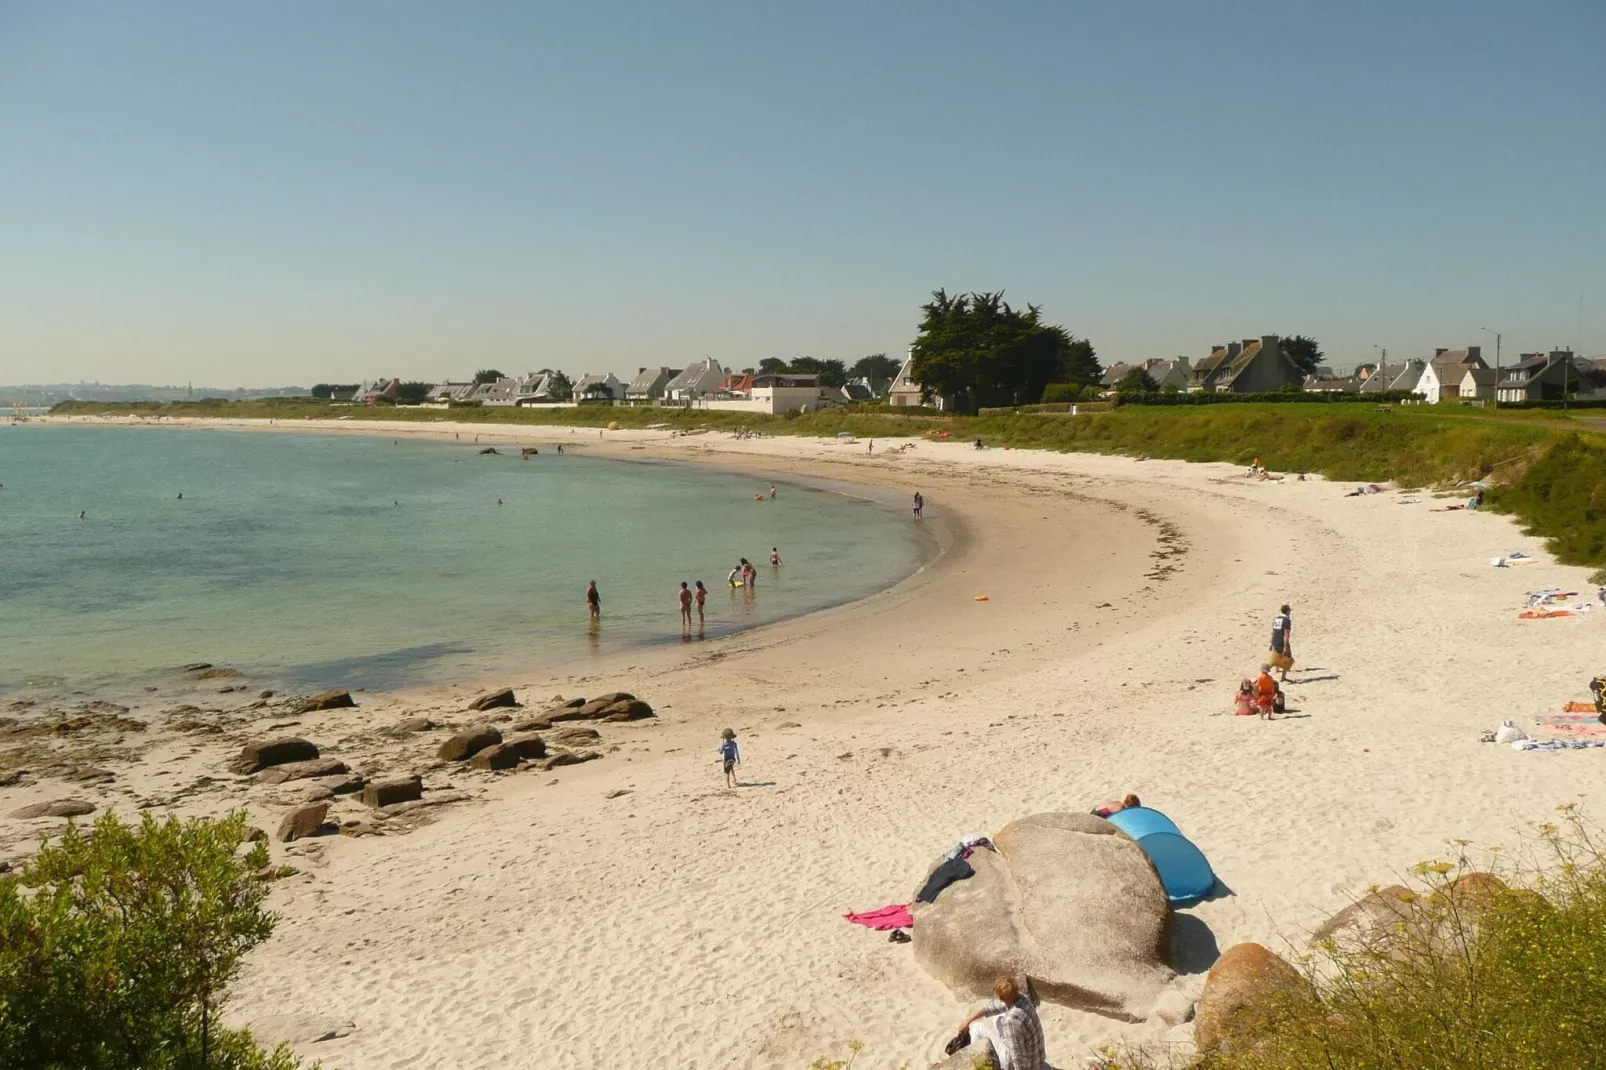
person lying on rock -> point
(1009, 1023)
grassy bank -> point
(1547, 472)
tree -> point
(875, 366)
(412, 393)
(560, 387)
(1304, 352)
(975, 349)
(1136, 381)
(122, 954)
(771, 365)
(831, 372)
(329, 390)
(487, 375)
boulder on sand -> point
(267, 752)
(617, 706)
(393, 790)
(492, 700)
(55, 808)
(497, 756)
(313, 767)
(334, 699)
(573, 735)
(304, 820)
(1068, 902)
(413, 724)
(527, 746)
(469, 742)
(1240, 990)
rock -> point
(217, 674)
(470, 741)
(266, 694)
(532, 724)
(253, 834)
(977, 1056)
(327, 787)
(1241, 988)
(492, 700)
(618, 706)
(11, 777)
(488, 451)
(529, 747)
(313, 767)
(55, 808)
(413, 724)
(265, 753)
(788, 724)
(574, 736)
(442, 798)
(304, 820)
(1386, 908)
(1173, 1007)
(197, 666)
(333, 699)
(632, 710)
(496, 756)
(567, 757)
(1069, 903)
(617, 793)
(394, 790)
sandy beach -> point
(631, 912)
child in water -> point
(775, 556)
(729, 756)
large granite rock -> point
(497, 756)
(1241, 991)
(393, 790)
(1406, 924)
(615, 706)
(492, 700)
(305, 820)
(268, 752)
(573, 735)
(1068, 902)
(55, 808)
(313, 767)
(469, 742)
(976, 1056)
(528, 747)
(333, 699)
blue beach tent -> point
(1183, 869)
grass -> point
(1549, 474)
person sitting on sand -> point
(1244, 705)
(1265, 692)
(1113, 807)
(730, 757)
(1009, 1023)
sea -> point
(316, 561)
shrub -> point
(117, 947)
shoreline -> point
(1125, 600)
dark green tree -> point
(1081, 364)
(771, 365)
(1136, 381)
(1304, 351)
(412, 393)
(488, 375)
(976, 349)
(831, 372)
(560, 387)
(875, 366)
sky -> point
(294, 192)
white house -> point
(534, 389)
(1441, 378)
(597, 385)
(1477, 383)
(704, 377)
(497, 393)
(905, 391)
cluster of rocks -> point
(484, 746)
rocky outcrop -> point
(494, 700)
(1241, 990)
(305, 820)
(529, 747)
(412, 724)
(573, 736)
(497, 756)
(618, 706)
(1068, 902)
(393, 790)
(336, 699)
(469, 742)
(55, 808)
(567, 757)
(327, 787)
(313, 767)
(215, 674)
(977, 1056)
(269, 752)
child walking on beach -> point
(729, 756)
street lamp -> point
(1382, 362)
(1496, 365)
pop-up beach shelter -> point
(1183, 869)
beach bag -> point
(1509, 733)
(1281, 662)
(1278, 703)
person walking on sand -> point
(685, 605)
(871, 450)
(729, 756)
(1282, 642)
(920, 506)
(594, 600)
(701, 596)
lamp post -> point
(1382, 361)
(1496, 365)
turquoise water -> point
(317, 561)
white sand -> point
(682, 925)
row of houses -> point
(1455, 375)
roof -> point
(1457, 356)
(694, 374)
(1113, 373)
(858, 392)
(1331, 385)
(785, 379)
(1480, 376)
(647, 378)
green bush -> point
(117, 947)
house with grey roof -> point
(649, 384)
(450, 391)
(1403, 376)
(1441, 378)
(374, 389)
(702, 378)
(1542, 377)
(497, 393)
(598, 388)
(905, 389)
(1253, 366)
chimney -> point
(1233, 349)
(1439, 352)
(1474, 352)
(1268, 341)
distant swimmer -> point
(80, 514)
(180, 495)
(393, 501)
(702, 596)
(872, 447)
(772, 490)
(775, 556)
(685, 605)
(499, 501)
(594, 600)
(560, 447)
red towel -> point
(893, 917)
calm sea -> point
(318, 561)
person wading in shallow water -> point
(685, 605)
(594, 600)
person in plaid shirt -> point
(1010, 1024)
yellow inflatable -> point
(981, 598)
(614, 426)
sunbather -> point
(1113, 807)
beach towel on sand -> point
(896, 916)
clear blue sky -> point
(267, 193)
